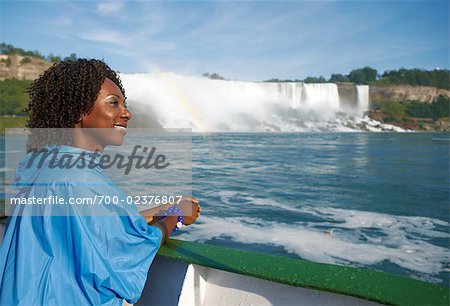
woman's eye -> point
(114, 102)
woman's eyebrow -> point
(113, 95)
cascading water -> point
(362, 96)
(174, 101)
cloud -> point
(110, 8)
(107, 36)
(242, 40)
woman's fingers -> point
(195, 201)
(191, 209)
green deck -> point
(362, 283)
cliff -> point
(425, 94)
(21, 67)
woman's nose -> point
(125, 114)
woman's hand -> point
(190, 208)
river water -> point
(374, 200)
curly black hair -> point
(63, 94)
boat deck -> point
(189, 273)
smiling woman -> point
(110, 112)
(68, 253)
(75, 94)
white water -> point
(402, 240)
(174, 101)
(362, 96)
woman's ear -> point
(79, 122)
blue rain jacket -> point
(74, 255)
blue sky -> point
(240, 40)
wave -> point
(340, 236)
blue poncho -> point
(73, 256)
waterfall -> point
(362, 98)
(170, 100)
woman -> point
(68, 254)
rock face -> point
(405, 92)
(21, 67)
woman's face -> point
(107, 123)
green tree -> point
(53, 58)
(71, 57)
(310, 79)
(364, 75)
(214, 76)
(419, 109)
(10, 49)
(439, 78)
(440, 107)
(337, 77)
(6, 48)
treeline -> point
(439, 78)
(417, 77)
(438, 109)
(10, 49)
(399, 111)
